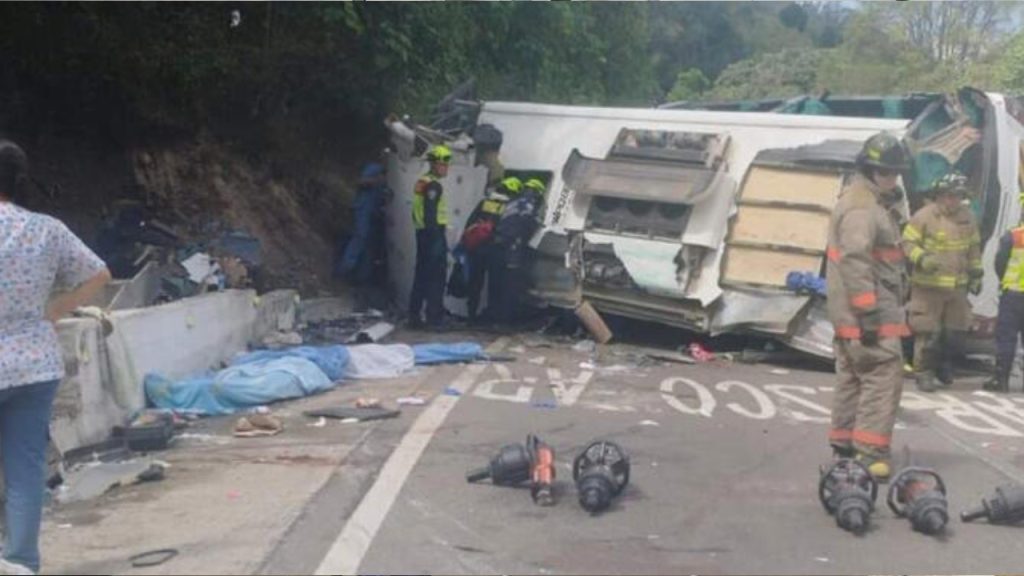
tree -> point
(779, 75)
(794, 16)
(955, 32)
(690, 85)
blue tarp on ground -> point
(254, 384)
(443, 353)
(331, 359)
(265, 376)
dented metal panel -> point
(637, 180)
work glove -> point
(869, 325)
(927, 263)
(974, 281)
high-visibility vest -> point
(1013, 278)
(419, 203)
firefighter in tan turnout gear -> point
(944, 246)
(866, 277)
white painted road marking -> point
(355, 539)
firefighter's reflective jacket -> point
(945, 248)
(865, 270)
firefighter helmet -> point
(440, 153)
(535, 184)
(883, 150)
(953, 182)
(510, 186)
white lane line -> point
(348, 550)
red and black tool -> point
(542, 471)
(848, 491)
(919, 494)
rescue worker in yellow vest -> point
(866, 285)
(944, 247)
(1010, 322)
(478, 241)
(430, 219)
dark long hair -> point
(13, 171)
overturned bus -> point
(695, 215)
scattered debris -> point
(367, 403)
(320, 423)
(359, 414)
(411, 401)
(700, 353)
(255, 425)
(153, 558)
(549, 404)
(95, 479)
(538, 360)
(601, 472)
(451, 392)
(150, 431)
(649, 423)
(373, 333)
(278, 340)
(517, 350)
(593, 322)
(779, 371)
(350, 420)
(586, 346)
(822, 559)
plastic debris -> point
(255, 425)
(411, 401)
(451, 392)
(649, 423)
(539, 360)
(780, 371)
(700, 353)
(367, 403)
(586, 346)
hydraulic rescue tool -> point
(601, 472)
(542, 471)
(1005, 507)
(919, 494)
(510, 467)
(848, 491)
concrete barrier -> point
(103, 387)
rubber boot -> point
(1000, 381)
(878, 466)
(925, 381)
(944, 375)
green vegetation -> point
(331, 71)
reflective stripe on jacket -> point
(429, 208)
(1013, 278)
(951, 241)
(865, 270)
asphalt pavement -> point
(725, 459)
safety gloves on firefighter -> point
(974, 281)
(927, 263)
(869, 325)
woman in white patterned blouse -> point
(37, 254)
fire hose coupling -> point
(601, 472)
(1006, 506)
(919, 494)
(848, 491)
